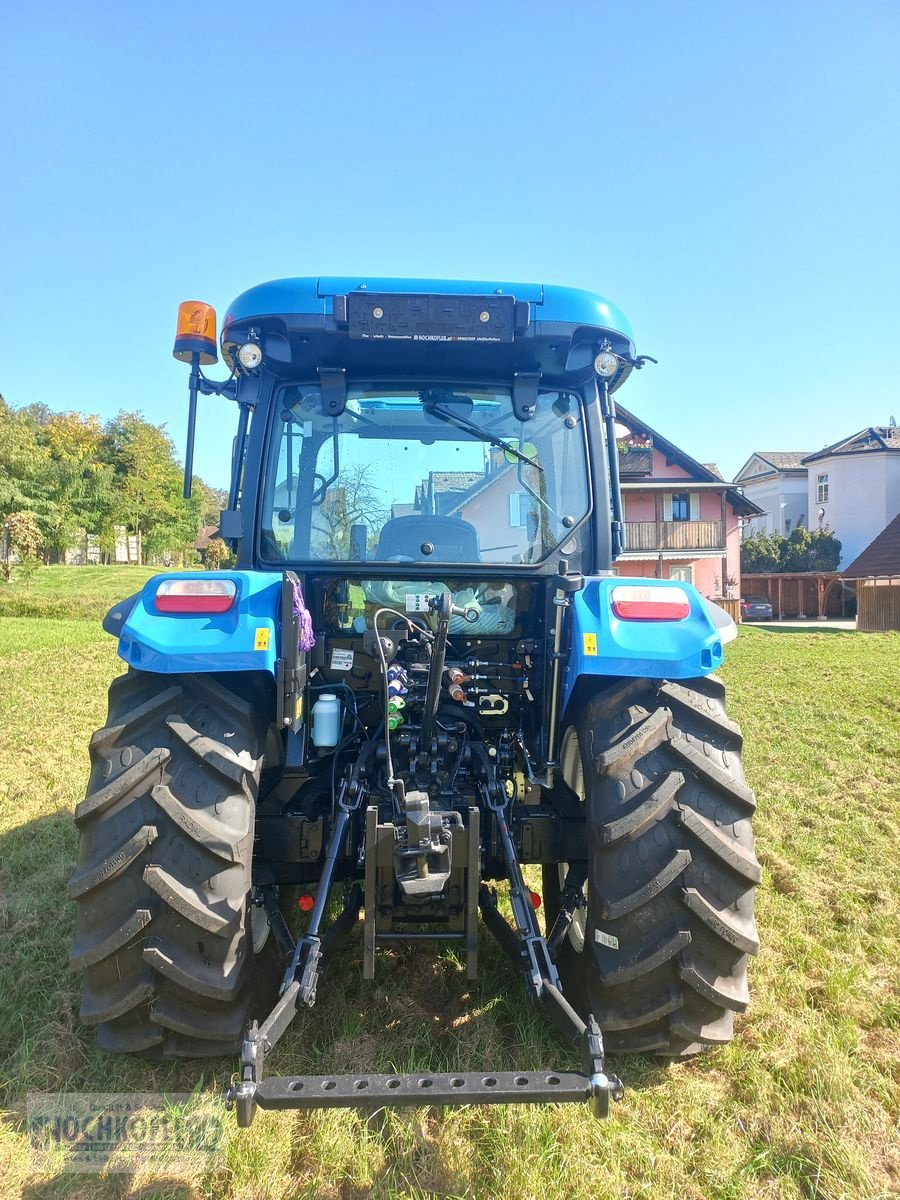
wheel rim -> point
(571, 768)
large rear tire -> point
(659, 955)
(162, 886)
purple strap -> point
(305, 637)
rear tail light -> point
(632, 603)
(195, 595)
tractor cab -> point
(381, 399)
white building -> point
(853, 487)
(776, 480)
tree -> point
(805, 551)
(824, 551)
(24, 534)
(770, 553)
(25, 539)
(761, 553)
(148, 484)
(78, 483)
(795, 550)
(353, 499)
(76, 476)
(22, 462)
(217, 555)
(214, 501)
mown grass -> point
(802, 1105)
(86, 592)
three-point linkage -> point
(422, 866)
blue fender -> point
(245, 638)
(606, 645)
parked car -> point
(756, 608)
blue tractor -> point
(422, 674)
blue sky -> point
(728, 174)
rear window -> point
(421, 474)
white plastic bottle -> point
(326, 720)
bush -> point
(766, 553)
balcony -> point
(673, 535)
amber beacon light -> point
(196, 333)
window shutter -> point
(695, 506)
(667, 507)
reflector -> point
(195, 595)
(634, 603)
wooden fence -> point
(878, 604)
(732, 607)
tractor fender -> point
(118, 614)
(244, 638)
(607, 645)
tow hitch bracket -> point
(594, 1086)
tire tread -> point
(672, 869)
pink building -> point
(682, 520)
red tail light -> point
(632, 603)
(195, 595)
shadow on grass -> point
(813, 627)
(78, 1186)
(419, 1014)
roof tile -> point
(784, 460)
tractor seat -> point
(402, 539)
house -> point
(204, 537)
(853, 487)
(776, 480)
(877, 574)
(438, 494)
(682, 519)
(492, 500)
(86, 549)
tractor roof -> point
(314, 295)
(307, 322)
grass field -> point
(802, 1105)
(86, 592)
